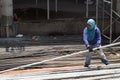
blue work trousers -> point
(101, 54)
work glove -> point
(90, 49)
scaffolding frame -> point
(111, 18)
(87, 15)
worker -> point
(92, 39)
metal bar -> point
(107, 1)
(80, 52)
(36, 4)
(103, 21)
(116, 20)
(48, 9)
(109, 25)
(105, 28)
(96, 11)
(76, 1)
(106, 36)
(116, 13)
(56, 6)
(107, 12)
(111, 22)
(116, 39)
(87, 10)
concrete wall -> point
(63, 5)
(56, 27)
(59, 27)
(63, 27)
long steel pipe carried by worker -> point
(40, 62)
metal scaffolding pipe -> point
(107, 1)
(103, 22)
(97, 12)
(56, 6)
(111, 22)
(87, 10)
(76, 1)
(111, 18)
(0, 9)
(116, 39)
(36, 63)
(36, 4)
(48, 9)
(116, 13)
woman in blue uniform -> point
(92, 39)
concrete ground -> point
(35, 44)
(49, 47)
(43, 44)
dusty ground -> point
(50, 48)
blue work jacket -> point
(96, 40)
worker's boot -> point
(105, 61)
(86, 65)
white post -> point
(56, 8)
(48, 10)
(87, 10)
(96, 11)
